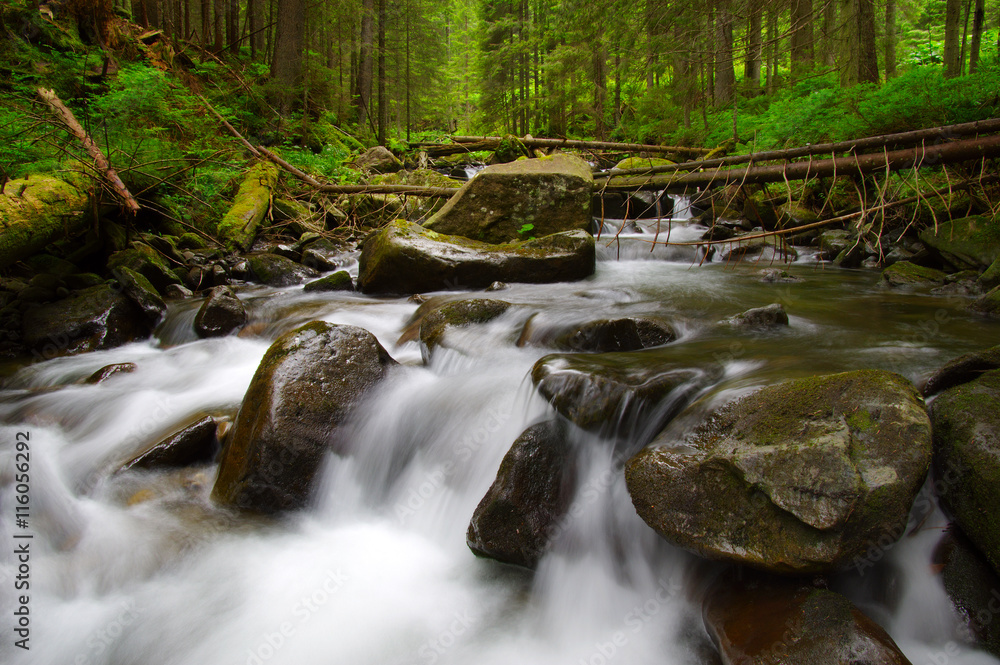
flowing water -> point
(140, 567)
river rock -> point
(220, 314)
(799, 477)
(338, 281)
(761, 318)
(534, 486)
(966, 422)
(146, 261)
(456, 314)
(518, 200)
(612, 393)
(989, 303)
(406, 258)
(905, 273)
(763, 622)
(142, 293)
(96, 318)
(305, 388)
(322, 255)
(972, 585)
(191, 444)
(962, 369)
(630, 333)
(275, 270)
(106, 372)
(969, 243)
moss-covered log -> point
(239, 227)
(36, 211)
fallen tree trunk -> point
(587, 145)
(946, 153)
(36, 211)
(66, 116)
(239, 226)
(858, 145)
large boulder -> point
(518, 200)
(966, 422)
(629, 333)
(414, 208)
(962, 369)
(614, 393)
(799, 477)
(275, 270)
(306, 386)
(519, 514)
(146, 261)
(96, 318)
(142, 293)
(407, 258)
(970, 243)
(377, 159)
(905, 273)
(764, 622)
(220, 314)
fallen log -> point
(587, 145)
(947, 132)
(945, 153)
(66, 116)
(239, 226)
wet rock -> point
(142, 293)
(415, 208)
(190, 445)
(778, 276)
(322, 256)
(759, 249)
(338, 281)
(275, 270)
(456, 314)
(793, 215)
(761, 318)
(625, 334)
(407, 258)
(522, 509)
(518, 200)
(146, 261)
(834, 241)
(288, 251)
(799, 477)
(377, 160)
(962, 369)
(305, 388)
(220, 314)
(497, 286)
(905, 273)
(83, 280)
(970, 243)
(988, 304)
(966, 421)
(613, 393)
(106, 372)
(774, 622)
(96, 318)
(972, 585)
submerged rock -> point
(774, 622)
(798, 477)
(190, 445)
(518, 200)
(613, 393)
(966, 421)
(306, 386)
(220, 314)
(521, 511)
(630, 333)
(106, 372)
(407, 258)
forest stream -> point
(141, 567)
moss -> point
(905, 273)
(35, 211)
(966, 243)
(239, 226)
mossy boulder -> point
(905, 273)
(456, 314)
(630, 333)
(794, 215)
(761, 318)
(799, 477)
(406, 258)
(615, 392)
(146, 261)
(220, 314)
(377, 159)
(520, 513)
(142, 293)
(275, 270)
(100, 317)
(35, 211)
(338, 281)
(415, 208)
(298, 216)
(240, 225)
(969, 243)
(192, 444)
(965, 368)
(322, 255)
(758, 621)
(630, 163)
(972, 585)
(515, 201)
(305, 388)
(988, 303)
(966, 422)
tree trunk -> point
(725, 74)
(383, 108)
(286, 65)
(751, 69)
(365, 63)
(772, 51)
(801, 38)
(599, 81)
(868, 55)
(206, 22)
(952, 38)
(890, 39)
(233, 26)
(218, 14)
(830, 32)
(978, 20)
(850, 46)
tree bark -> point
(952, 38)
(383, 108)
(751, 69)
(725, 74)
(365, 62)
(890, 39)
(801, 38)
(978, 21)
(868, 56)
(286, 65)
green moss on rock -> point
(239, 226)
(905, 273)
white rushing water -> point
(141, 568)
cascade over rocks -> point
(798, 477)
(629, 333)
(191, 444)
(305, 388)
(534, 486)
(517, 200)
(966, 421)
(276, 270)
(406, 258)
(220, 314)
(456, 314)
